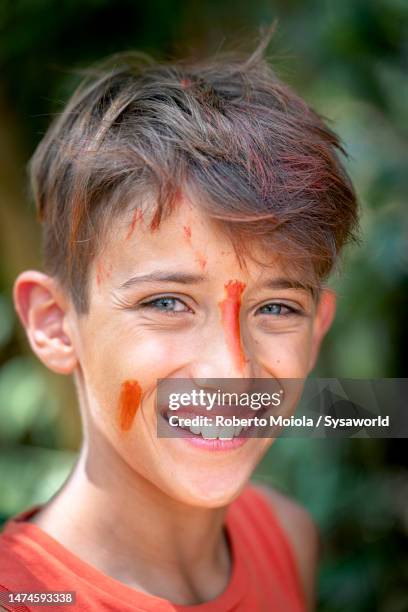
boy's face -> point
(142, 326)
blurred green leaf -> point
(6, 320)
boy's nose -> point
(222, 352)
(217, 357)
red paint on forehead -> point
(129, 402)
(187, 232)
(102, 271)
(202, 261)
(137, 216)
(234, 289)
(230, 310)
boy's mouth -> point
(194, 423)
(207, 431)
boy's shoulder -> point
(17, 556)
(302, 533)
(292, 515)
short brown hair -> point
(259, 160)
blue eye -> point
(166, 304)
(275, 308)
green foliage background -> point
(349, 60)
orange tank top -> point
(264, 575)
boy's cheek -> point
(121, 368)
(121, 371)
(285, 355)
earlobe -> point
(43, 313)
(326, 310)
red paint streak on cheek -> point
(129, 402)
(230, 309)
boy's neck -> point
(118, 522)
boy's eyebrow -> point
(286, 283)
(184, 278)
(187, 278)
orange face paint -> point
(187, 232)
(137, 216)
(230, 309)
(202, 262)
(129, 402)
(102, 272)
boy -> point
(191, 213)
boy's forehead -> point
(184, 227)
(187, 240)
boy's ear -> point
(325, 311)
(42, 309)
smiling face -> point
(175, 303)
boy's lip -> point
(243, 412)
(198, 441)
(216, 444)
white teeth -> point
(210, 432)
(226, 433)
(237, 430)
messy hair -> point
(257, 159)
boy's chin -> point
(214, 481)
(209, 492)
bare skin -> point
(151, 509)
